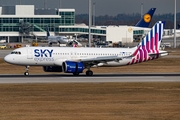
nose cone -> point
(8, 59)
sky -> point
(103, 7)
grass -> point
(110, 101)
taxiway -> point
(97, 78)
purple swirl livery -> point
(149, 45)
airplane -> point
(75, 60)
(147, 17)
(59, 39)
(56, 39)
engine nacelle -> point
(52, 68)
(72, 67)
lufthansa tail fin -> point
(145, 21)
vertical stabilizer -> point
(150, 44)
(147, 17)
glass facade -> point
(138, 32)
(83, 30)
(39, 24)
(67, 18)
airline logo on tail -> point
(147, 18)
(150, 44)
(145, 21)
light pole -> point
(19, 2)
(60, 3)
(94, 7)
(90, 22)
(45, 4)
(174, 23)
(142, 10)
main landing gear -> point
(27, 71)
(89, 73)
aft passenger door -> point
(29, 53)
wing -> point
(105, 59)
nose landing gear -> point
(27, 71)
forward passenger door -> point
(29, 53)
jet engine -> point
(72, 67)
(52, 68)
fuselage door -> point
(29, 54)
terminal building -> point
(22, 21)
(19, 21)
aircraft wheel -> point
(26, 73)
(89, 73)
(76, 74)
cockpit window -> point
(16, 52)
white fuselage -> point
(54, 56)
